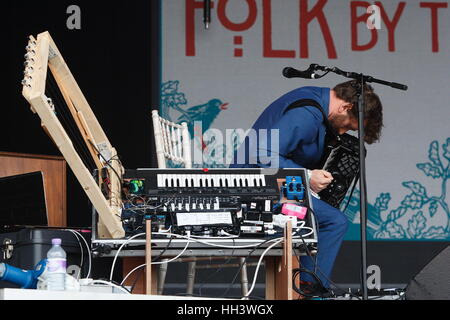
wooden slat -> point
(148, 257)
(279, 270)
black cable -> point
(316, 267)
(137, 278)
(61, 109)
(153, 260)
(61, 114)
(351, 192)
(107, 161)
(164, 250)
(296, 273)
(314, 260)
(317, 232)
(313, 273)
(245, 262)
(75, 134)
(331, 282)
(217, 270)
(253, 250)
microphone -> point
(399, 86)
(207, 13)
(289, 72)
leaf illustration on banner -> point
(382, 201)
(175, 99)
(171, 99)
(416, 225)
(437, 233)
(169, 88)
(413, 201)
(430, 170)
(433, 208)
(446, 148)
(380, 234)
(433, 154)
(395, 230)
(416, 188)
(396, 213)
(415, 210)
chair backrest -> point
(172, 141)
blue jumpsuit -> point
(301, 144)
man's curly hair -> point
(373, 112)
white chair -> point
(173, 143)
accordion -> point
(341, 159)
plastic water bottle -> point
(56, 266)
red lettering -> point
(434, 6)
(252, 14)
(305, 18)
(191, 5)
(355, 20)
(391, 25)
(268, 52)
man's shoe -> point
(312, 290)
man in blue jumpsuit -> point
(301, 140)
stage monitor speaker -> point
(433, 281)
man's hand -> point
(319, 180)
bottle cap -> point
(56, 241)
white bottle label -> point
(56, 265)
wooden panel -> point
(279, 271)
(140, 287)
(54, 173)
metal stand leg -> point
(191, 277)
(162, 277)
(244, 279)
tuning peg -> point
(28, 62)
(31, 44)
(31, 40)
(30, 47)
(26, 82)
(30, 54)
(50, 103)
(28, 70)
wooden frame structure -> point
(42, 55)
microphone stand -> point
(362, 186)
(359, 86)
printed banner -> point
(223, 78)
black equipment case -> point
(24, 248)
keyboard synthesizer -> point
(215, 202)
